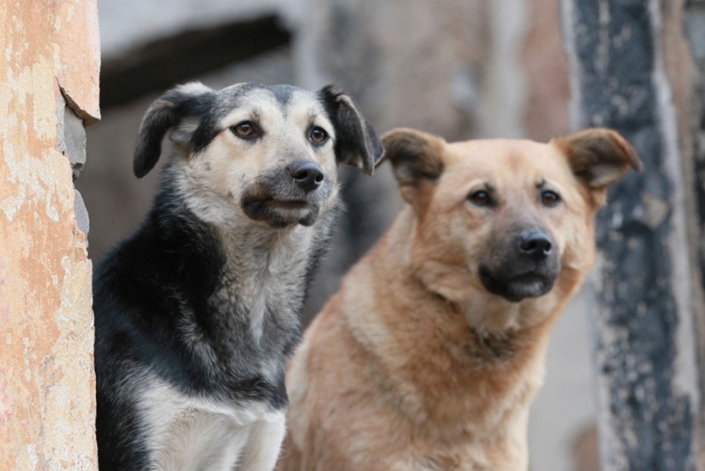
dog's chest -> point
(186, 432)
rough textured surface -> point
(71, 136)
(47, 403)
(681, 54)
(81, 213)
(619, 82)
(694, 15)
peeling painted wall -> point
(49, 56)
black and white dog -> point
(197, 312)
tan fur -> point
(413, 364)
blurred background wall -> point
(459, 68)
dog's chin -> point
(281, 213)
(516, 288)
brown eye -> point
(245, 130)
(549, 198)
(318, 135)
(480, 198)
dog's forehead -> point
(503, 159)
(280, 99)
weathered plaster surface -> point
(47, 404)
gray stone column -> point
(643, 315)
(693, 19)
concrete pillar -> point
(49, 60)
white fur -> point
(190, 433)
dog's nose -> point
(308, 175)
(534, 244)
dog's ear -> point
(416, 158)
(598, 157)
(356, 142)
(163, 114)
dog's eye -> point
(480, 198)
(549, 198)
(318, 135)
(245, 130)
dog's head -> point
(509, 217)
(270, 152)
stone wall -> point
(49, 53)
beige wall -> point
(47, 404)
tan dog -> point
(429, 355)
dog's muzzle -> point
(526, 265)
(293, 194)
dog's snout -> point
(307, 175)
(535, 244)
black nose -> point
(535, 244)
(308, 175)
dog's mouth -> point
(280, 213)
(279, 200)
(515, 287)
(287, 204)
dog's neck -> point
(267, 270)
(261, 271)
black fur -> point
(171, 264)
(164, 114)
(173, 268)
(357, 143)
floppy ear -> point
(356, 142)
(416, 159)
(598, 157)
(165, 113)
